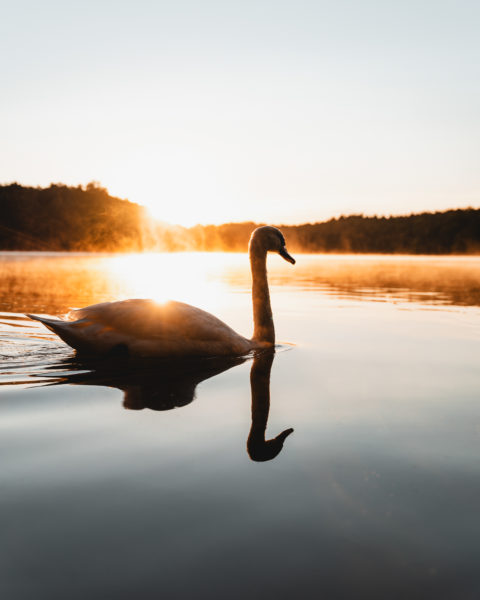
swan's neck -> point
(263, 330)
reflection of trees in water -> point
(53, 284)
(166, 384)
(432, 280)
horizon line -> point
(96, 184)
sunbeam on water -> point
(127, 478)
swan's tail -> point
(63, 329)
(50, 323)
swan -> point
(145, 328)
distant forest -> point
(89, 219)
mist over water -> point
(55, 281)
(135, 479)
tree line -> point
(59, 218)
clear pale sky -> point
(276, 111)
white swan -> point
(146, 328)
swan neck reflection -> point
(258, 448)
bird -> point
(145, 328)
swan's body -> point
(146, 328)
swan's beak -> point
(284, 254)
(281, 437)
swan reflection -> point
(164, 385)
(258, 448)
(153, 384)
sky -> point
(274, 111)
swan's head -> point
(261, 450)
(270, 239)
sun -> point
(179, 186)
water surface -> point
(154, 480)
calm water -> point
(136, 480)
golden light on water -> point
(52, 283)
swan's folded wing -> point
(149, 320)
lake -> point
(141, 480)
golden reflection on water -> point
(55, 282)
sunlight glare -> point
(185, 277)
(177, 185)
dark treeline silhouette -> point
(89, 219)
(68, 218)
(449, 232)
